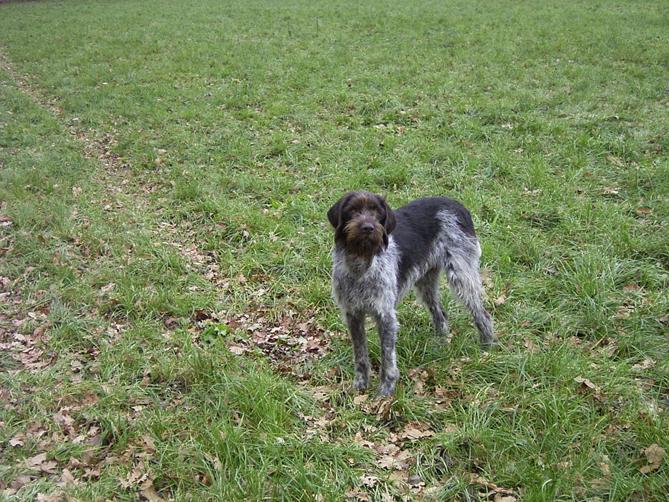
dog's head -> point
(362, 222)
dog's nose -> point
(367, 228)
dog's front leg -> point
(388, 327)
(356, 327)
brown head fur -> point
(362, 223)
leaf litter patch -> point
(24, 330)
(69, 425)
(287, 341)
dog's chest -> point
(371, 289)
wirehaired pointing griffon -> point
(380, 254)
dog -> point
(380, 254)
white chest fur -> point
(362, 286)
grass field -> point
(166, 323)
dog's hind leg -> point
(427, 288)
(462, 270)
(356, 327)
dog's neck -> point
(355, 264)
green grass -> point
(235, 126)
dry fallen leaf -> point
(604, 465)
(20, 481)
(49, 467)
(475, 479)
(49, 498)
(654, 455)
(16, 441)
(369, 480)
(321, 393)
(358, 400)
(392, 457)
(136, 477)
(358, 495)
(67, 478)
(237, 350)
(415, 430)
(397, 478)
(587, 386)
(387, 497)
(384, 408)
(504, 498)
(36, 461)
(624, 312)
(530, 346)
(645, 364)
(149, 492)
(419, 377)
(585, 383)
(358, 439)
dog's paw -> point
(361, 382)
(386, 389)
(442, 328)
(442, 332)
(490, 343)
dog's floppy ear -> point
(334, 213)
(389, 221)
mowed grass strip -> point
(242, 123)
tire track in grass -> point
(293, 338)
(287, 340)
(25, 349)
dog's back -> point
(425, 229)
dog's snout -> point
(366, 227)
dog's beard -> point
(363, 245)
